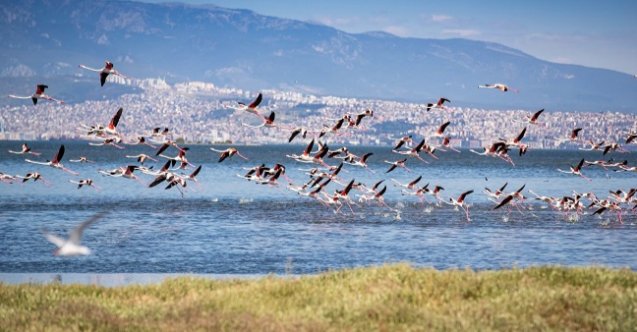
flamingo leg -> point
(423, 160)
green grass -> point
(387, 298)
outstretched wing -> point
(58, 157)
(76, 234)
(504, 202)
(103, 77)
(257, 101)
(115, 119)
(58, 241)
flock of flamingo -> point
(177, 171)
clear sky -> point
(593, 33)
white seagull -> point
(72, 245)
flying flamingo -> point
(104, 72)
(497, 193)
(38, 94)
(141, 158)
(121, 172)
(25, 150)
(414, 152)
(298, 131)
(252, 107)
(82, 159)
(576, 170)
(398, 163)
(360, 116)
(55, 162)
(533, 119)
(439, 104)
(410, 185)
(112, 141)
(84, 182)
(460, 203)
(361, 162)
(306, 157)
(267, 122)
(498, 86)
(35, 176)
(228, 153)
(110, 129)
(574, 133)
(141, 140)
(440, 131)
(446, 143)
(405, 140)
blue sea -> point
(226, 225)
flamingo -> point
(446, 143)
(307, 158)
(533, 119)
(141, 140)
(461, 203)
(440, 131)
(82, 159)
(110, 129)
(576, 170)
(497, 193)
(228, 153)
(25, 150)
(333, 129)
(398, 163)
(298, 131)
(405, 140)
(497, 86)
(141, 158)
(252, 107)
(121, 172)
(612, 147)
(575, 133)
(84, 182)
(112, 141)
(410, 185)
(35, 176)
(55, 162)
(593, 146)
(6, 178)
(439, 104)
(414, 152)
(104, 72)
(38, 94)
(360, 116)
(360, 162)
(267, 122)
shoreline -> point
(124, 279)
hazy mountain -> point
(45, 40)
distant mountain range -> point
(44, 41)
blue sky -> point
(592, 33)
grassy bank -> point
(389, 298)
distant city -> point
(199, 112)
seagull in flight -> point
(72, 246)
